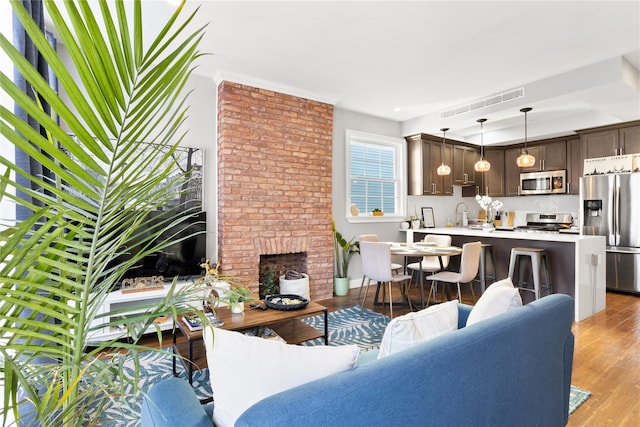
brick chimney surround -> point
(274, 183)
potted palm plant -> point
(60, 259)
(343, 250)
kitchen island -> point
(576, 262)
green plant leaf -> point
(58, 266)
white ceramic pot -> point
(488, 227)
(237, 308)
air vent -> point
(484, 103)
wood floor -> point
(606, 358)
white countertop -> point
(549, 237)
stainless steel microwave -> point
(546, 182)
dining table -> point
(420, 250)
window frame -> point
(400, 148)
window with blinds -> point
(374, 165)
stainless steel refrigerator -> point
(610, 207)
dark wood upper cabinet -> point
(610, 142)
(511, 171)
(424, 156)
(575, 163)
(503, 179)
(493, 179)
(549, 156)
(464, 158)
(630, 139)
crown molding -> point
(221, 76)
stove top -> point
(546, 223)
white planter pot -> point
(237, 308)
(488, 227)
(295, 287)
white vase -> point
(488, 227)
(237, 307)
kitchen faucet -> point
(459, 220)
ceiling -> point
(577, 62)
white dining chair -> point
(373, 238)
(430, 264)
(469, 264)
(376, 266)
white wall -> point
(202, 126)
(343, 120)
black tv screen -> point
(181, 259)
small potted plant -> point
(377, 212)
(343, 249)
(236, 297)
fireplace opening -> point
(271, 267)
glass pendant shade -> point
(525, 160)
(482, 165)
(443, 169)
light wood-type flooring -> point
(606, 357)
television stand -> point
(121, 300)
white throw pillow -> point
(244, 370)
(414, 328)
(498, 298)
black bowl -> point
(284, 302)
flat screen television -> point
(181, 259)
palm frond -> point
(57, 267)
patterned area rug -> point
(577, 397)
(346, 326)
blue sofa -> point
(510, 370)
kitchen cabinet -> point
(549, 156)
(575, 163)
(611, 142)
(464, 158)
(493, 180)
(511, 171)
(424, 154)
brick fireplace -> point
(274, 183)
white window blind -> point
(375, 168)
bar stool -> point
(486, 255)
(539, 263)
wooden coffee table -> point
(286, 324)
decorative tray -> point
(286, 302)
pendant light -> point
(443, 169)
(482, 165)
(525, 160)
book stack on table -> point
(194, 323)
